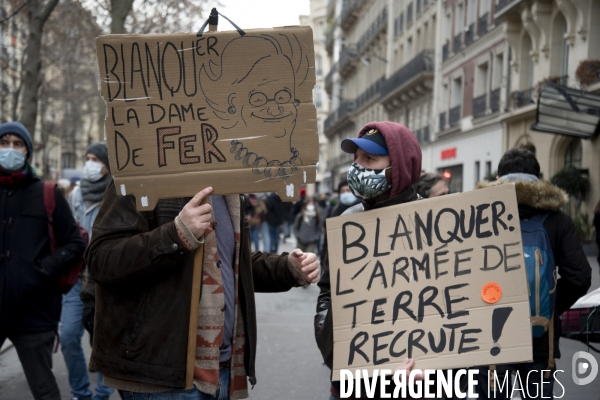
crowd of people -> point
(137, 260)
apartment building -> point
(317, 20)
(471, 92)
(548, 40)
(382, 69)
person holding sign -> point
(551, 245)
(387, 162)
(143, 265)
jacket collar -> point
(537, 195)
(403, 197)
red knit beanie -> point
(404, 150)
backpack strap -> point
(50, 205)
(551, 360)
(540, 217)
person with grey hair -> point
(431, 185)
(79, 303)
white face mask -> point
(92, 171)
(12, 159)
(347, 198)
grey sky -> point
(248, 14)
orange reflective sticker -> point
(491, 292)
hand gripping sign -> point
(223, 110)
(442, 281)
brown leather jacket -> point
(144, 282)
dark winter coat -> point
(276, 211)
(143, 277)
(28, 272)
(323, 323)
(573, 267)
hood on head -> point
(404, 151)
(540, 195)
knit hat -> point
(404, 150)
(16, 128)
(100, 150)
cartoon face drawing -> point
(254, 97)
(271, 101)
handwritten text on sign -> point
(238, 105)
(440, 280)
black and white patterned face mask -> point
(367, 183)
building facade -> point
(317, 20)
(464, 76)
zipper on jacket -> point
(538, 261)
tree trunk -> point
(119, 9)
(32, 65)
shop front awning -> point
(568, 111)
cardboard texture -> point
(186, 112)
(410, 281)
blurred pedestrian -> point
(78, 306)
(307, 227)
(275, 217)
(560, 255)
(431, 185)
(29, 302)
(347, 199)
(256, 216)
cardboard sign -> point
(223, 110)
(442, 281)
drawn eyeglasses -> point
(259, 99)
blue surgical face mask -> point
(12, 159)
(347, 198)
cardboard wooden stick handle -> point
(195, 304)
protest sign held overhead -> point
(442, 281)
(226, 110)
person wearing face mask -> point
(79, 303)
(387, 162)
(29, 304)
(307, 227)
(347, 199)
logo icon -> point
(581, 368)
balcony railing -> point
(372, 92)
(348, 15)
(347, 54)
(522, 98)
(343, 110)
(482, 24)
(502, 4)
(479, 106)
(469, 34)
(426, 135)
(454, 115)
(457, 43)
(445, 51)
(329, 36)
(442, 121)
(409, 13)
(421, 63)
(376, 27)
(329, 77)
(495, 100)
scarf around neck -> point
(93, 191)
(11, 178)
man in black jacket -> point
(387, 162)
(534, 197)
(29, 305)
